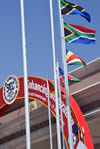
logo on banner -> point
(10, 89)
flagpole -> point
(67, 96)
(66, 80)
(25, 77)
(60, 99)
(49, 115)
(55, 77)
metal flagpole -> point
(62, 124)
(25, 77)
(66, 80)
(49, 115)
(55, 79)
(67, 96)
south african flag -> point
(79, 34)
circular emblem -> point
(10, 89)
(74, 139)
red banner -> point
(13, 91)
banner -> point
(13, 91)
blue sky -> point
(38, 36)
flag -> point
(51, 87)
(79, 34)
(72, 59)
(61, 75)
(70, 8)
(71, 78)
